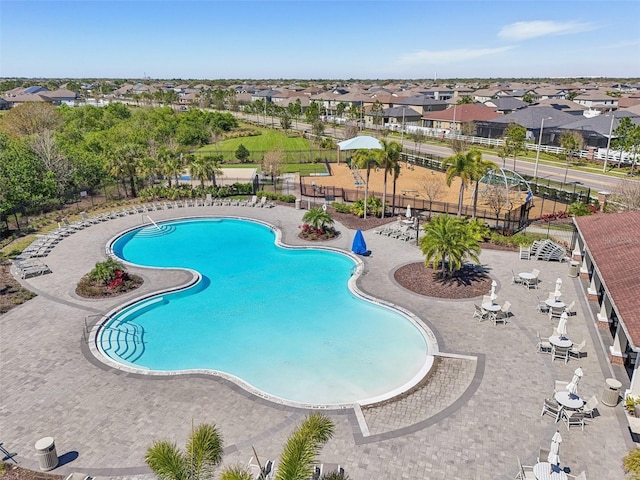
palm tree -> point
(317, 218)
(205, 167)
(364, 158)
(303, 447)
(172, 167)
(461, 165)
(389, 157)
(447, 241)
(203, 453)
(482, 168)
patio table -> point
(542, 471)
(560, 342)
(565, 399)
(554, 303)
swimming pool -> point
(280, 321)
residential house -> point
(529, 118)
(597, 99)
(393, 117)
(566, 106)
(505, 105)
(454, 117)
(596, 130)
(422, 103)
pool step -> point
(151, 231)
(125, 341)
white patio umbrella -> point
(493, 290)
(562, 324)
(408, 214)
(572, 386)
(554, 452)
(557, 292)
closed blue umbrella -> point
(359, 246)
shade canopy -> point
(562, 324)
(554, 451)
(360, 142)
(359, 246)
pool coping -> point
(92, 332)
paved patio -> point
(478, 410)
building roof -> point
(506, 103)
(418, 101)
(611, 240)
(602, 123)
(465, 112)
(531, 118)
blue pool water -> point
(282, 320)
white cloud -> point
(448, 56)
(541, 28)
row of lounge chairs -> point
(30, 267)
(401, 231)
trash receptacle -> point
(611, 392)
(298, 202)
(46, 453)
(574, 269)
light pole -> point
(535, 170)
(606, 157)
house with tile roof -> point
(454, 117)
(505, 105)
(607, 250)
(597, 99)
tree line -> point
(47, 152)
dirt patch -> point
(12, 293)
(13, 472)
(354, 222)
(472, 281)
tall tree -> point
(627, 139)
(515, 136)
(462, 166)
(482, 167)
(366, 159)
(31, 118)
(202, 455)
(389, 158)
(376, 113)
(572, 142)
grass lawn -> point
(266, 141)
(304, 169)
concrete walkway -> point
(478, 410)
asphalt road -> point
(594, 180)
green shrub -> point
(631, 464)
(516, 240)
(276, 196)
(342, 207)
(374, 207)
(579, 209)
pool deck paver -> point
(103, 420)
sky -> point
(319, 39)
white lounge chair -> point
(253, 201)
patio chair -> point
(576, 350)
(590, 406)
(525, 253)
(573, 418)
(480, 313)
(543, 346)
(208, 201)
(570, 309)
(543, 454)
(178, 204)
(552, 408)
(560, 352)
(515, 279)
(78, 476)
(555, 312)
(560, 386)
(542, 307)
(486, 299)
(525, 472)
(502, 314)
(74, 225)
(253, 201)
(399, 232)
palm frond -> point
(166, 461)
(204, 450)
(235, 473)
